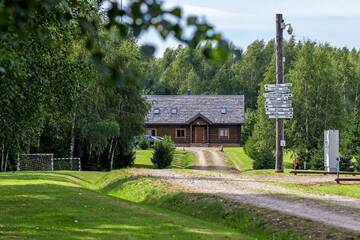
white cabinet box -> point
(331, 150)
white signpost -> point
(277, 101)
(278, 105)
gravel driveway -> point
(208, 158)
(262, 191)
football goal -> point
(46, 162)
(67, 164)
(36, 162)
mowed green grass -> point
(237, 158)
(182, 159)
(347, 190)
(60, 205)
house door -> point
(199, 135)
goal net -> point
(67, 164)
(36, 162)
(46, 162)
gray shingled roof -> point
(190, 106)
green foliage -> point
(163, 153)
(317, 101)
(260, 146)
(143, 143)
(125, 157)
(248, 127)
(71, 74)
(346, 164)
(251, 70)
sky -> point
(243, 21)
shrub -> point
(163, 153)
(317, 159)
(346, 164)
(143, 143)
(124, 157)
(356, 162)
(263, 156)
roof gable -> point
(197, 116)
(189, 107)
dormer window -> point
(156, 110)
(174, 111)
(223, 110)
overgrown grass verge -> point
(252, 221)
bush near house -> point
(163, 153)
(143, 144)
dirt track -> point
(262, 191)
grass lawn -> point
(182, 159)
(61, 206)
(348, 190)
(238, 158)
(117, 205)
(142, 158)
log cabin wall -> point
(214, 137)
(170, 130)
(233, 138)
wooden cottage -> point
(196, 120)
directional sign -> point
(278, 113)
(278, 105)
(277, 89)
(275, 94)
(284, 84)
(279, 109)
(280, 116)
(279, 85)
(275, 101)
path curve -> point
(331, 210)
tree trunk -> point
(109, 153)
(90, 150)
(72, 140)
(6, 161)
(18, 162)
(112, 156)
(2, 157)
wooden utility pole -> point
(279, 79)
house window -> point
(174, 111)
(157, 111)
(151, 131)
(224, 132)
(180, 132)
